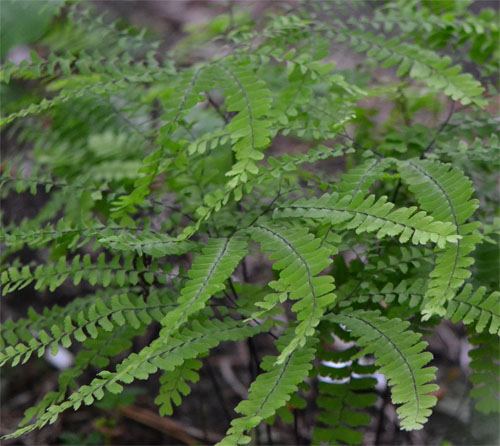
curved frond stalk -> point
(445, 193)
(299, 259)
(368, 215)
(400, 358)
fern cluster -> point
(161, 178)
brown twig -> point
(179, 431)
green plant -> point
(148, 158)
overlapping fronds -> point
(96, 353)
(400, 357)
(131, 165)
(192, 342)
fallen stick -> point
(173, 428)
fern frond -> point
(445, 193)
(421, 64)
(269, 392)
(368, 215)
(406, 291)
(121, 270)
(362, 177)
(345, 391)
(153, 244)
(96, 353)
(174, 383)
(191, 343)
(207, 275)
(400, 358)
(399, 260)
(247, 95)
(476, 307)
(485, 372)
(299, 259)
(101, 314)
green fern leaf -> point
(368, 215)
(207, 275)
(299, 259)
(400, 358)
(485, 372)
(445, 193)
(174, 384)
(270, 391)
(476, 308)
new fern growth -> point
(162, 178)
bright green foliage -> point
(400, 358)
(190, 343)
(80, 325)
(241, 183)
(206, 277)
(476, 308)
(299, 259)
(128, 270)
(370, 215)
(445, 193)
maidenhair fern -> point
(162, 179)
